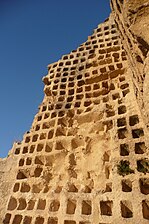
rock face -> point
(132, 21)
(8, 170)
(85, 159)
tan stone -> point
(85, 158)
(132, 20)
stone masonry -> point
(85, 159)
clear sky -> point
(33, 34)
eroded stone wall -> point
(85, 158)
(132, 21)
(80, 162)
(8, 170)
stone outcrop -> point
(8, 170)
(132, 21)
(85, 158)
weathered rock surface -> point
(85, 159)
(132, 20)
(8, 168)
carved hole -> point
(17, 151)
(59, 145)
(21, 175)
(145, 209)
(41, 204)
(17, 219)
(133, 120)
(38, 172)
(79, 97)
(49, 147)
(106, 156)
(42, 136)
(22, 204)
(39, 118)
(21, 162)
(105, 99)
(121, 110)
(27, 139)
(39, 160)
(144, 185)
(50, 135)
(106, 208)
(28, 161)
(86, 207)
(126, 209)
(140, 148)
(12, 204)
(71, 207)
(69, 222)
(108, 187)
(39, 147)
(87, 189)
(27, 220)
(31, 205)
(84, 222)
(121, 122)
(110, 113)
(53, 115)
(115, 96)
(124, 149)
(25, 150)
(87, 103)
(70, 99)
(72, 188)
(77, 104)
(54, 206)
(16, 187)
(37, 127)
(112, 87)
(137, 133)
(71, 92)
(35, 137)
(39, 220)
(124, 86)
(122, 133)
(126, 185)
(68, 105)
(32, 148)
(7, 218)
(111, 67)
(125, 92)
(52, 220)
(58, 189)
(25, 187)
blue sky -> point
(33, 34)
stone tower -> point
(85, 158)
